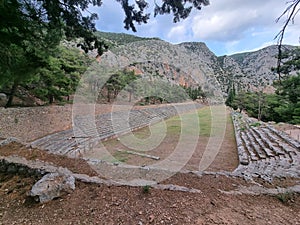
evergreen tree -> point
(60, 76)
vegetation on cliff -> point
(281, 106)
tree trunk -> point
(51, 99)
(11, 95)
(108, 95)
(130, 96)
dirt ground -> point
(101, 204)
(291, 130)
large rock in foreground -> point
(51, 186)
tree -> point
(283, 106)
(289, 94)
(60, 76)
(17, 68)
(231, 96)
(291, 12)
(195, 93)
(122, 80)
(30, 30)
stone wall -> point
(31, 123)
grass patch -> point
(177, 125)
(204, 116)
(146, 189)
(286, 197)
(111, 142)
(120, 156)
(256, 124)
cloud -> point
(226, 26)
(177, 31)
(232, 20)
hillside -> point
(194, 63)
(188, 64)
(117, 39)
(253, 70)
(160, 57)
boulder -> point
(51, 186)
(3, 99)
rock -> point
(9, 140)
(3, 97)
(51, 186)
(151, 218)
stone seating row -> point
(264, 151)
(89, 129)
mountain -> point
(249, 71)
(192, 64)
(117, 39)
(173, 63)
(252, 71)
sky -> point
(225, 26)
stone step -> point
(262, 142)
(285, 137)
(105, 126)
(248, 146)
(255, 146)
(273, 142)
(243, 155)
(270, 153)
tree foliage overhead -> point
(31, 30)
(44, 19)
(180, 9)
(47, 22)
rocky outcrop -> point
(156, 53)
(249, 71)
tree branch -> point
(291, 11)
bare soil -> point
(291, 130)
(100, 204)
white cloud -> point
(231, 20)
(226, 25)
(222, 26)
(177, 32)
